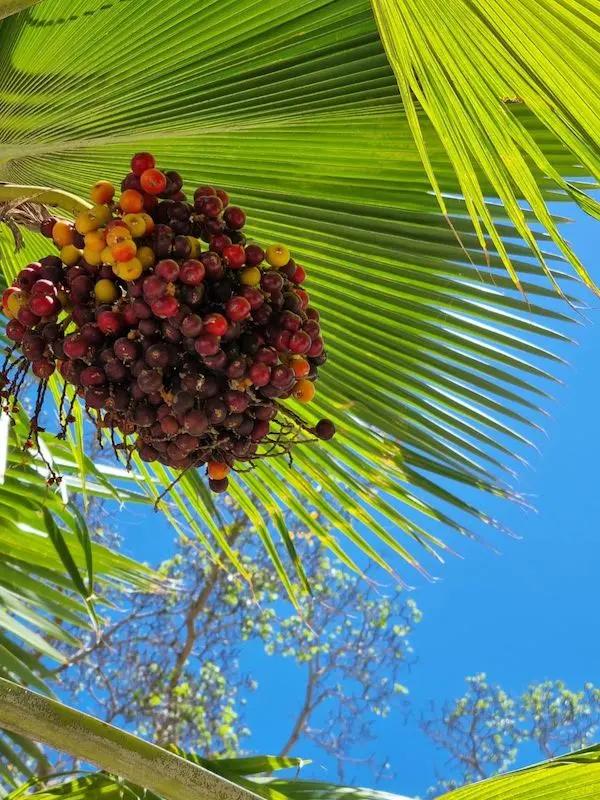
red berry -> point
(223, 197)
(43, 286)
(267, 355)
(191, 326)
(237, 308)
(207, 344)
(282, 377)
(141, 162)
(92, 376)
(254, 296)
(109, 322)
(153, 181)
(211, 206)
(167, 269)
(235, 255)
(165, 307)
(192, 272)
(234, 218)
(27, 317)
(43, 305)
(219, 242)
(154, 287)
(75, 346)
(259, 374)
(260, 430)
(205, 191)
(300, 342)
(215, 324)
(255, 255)
(15, 331)
(299, 274)
(316, 347)
(42, 368)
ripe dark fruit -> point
(184, 356)
(325, 429)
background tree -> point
(167, 665)
(485, 731)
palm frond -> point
(437, 366)
(466, 65)
(49, 573)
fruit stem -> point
(42, 195)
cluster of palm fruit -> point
(180, 337)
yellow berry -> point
(92, 257)
(95, 240)
(85, 222)
(129, 270)
(70, 255)
(102, 213)
(106, 257)
(106, 291)
(136, 224)
(146, 256)
(195, 246)
(149, 222)
(102, 192)
(250, 276)
(277, 255)
(15, 301)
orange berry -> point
(149, 223)
(153, 181)
(92, 257)
(136, 224)
(217, 470)
(300, 366)
(304, 391)
(124, 251)
(102, 192)
(117, 233)
(63, 233)
(95, 240)
(131, 202)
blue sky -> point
(523, 615)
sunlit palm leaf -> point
(48, 573)
(436, 363)
(575, 776)
(466, 63)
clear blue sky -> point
(521, 616)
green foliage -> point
(482, 732)
(170, 666)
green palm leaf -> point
(465, 65)
(437, 364)
(49, 572)
(174, 775)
